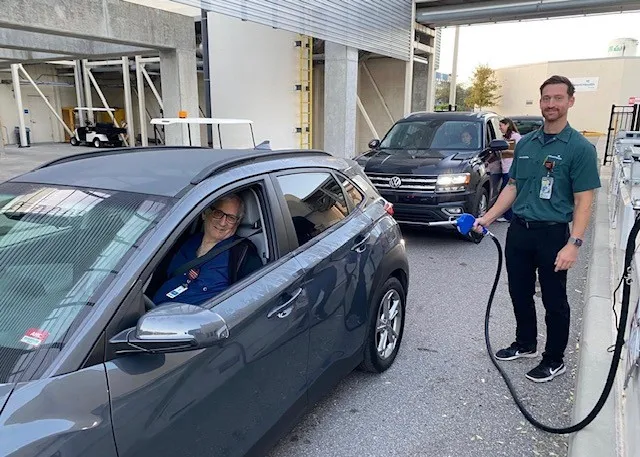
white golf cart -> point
(98, 135)
(211, 121)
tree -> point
(442, 95)
(484, 88)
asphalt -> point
(442, 397)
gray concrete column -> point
(419, 96)
(180, 93)
(340, 94)
(431, 83)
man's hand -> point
(566, 257)
(479, 223)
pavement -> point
(443, 397)
(15, 160)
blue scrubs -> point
(213, 276)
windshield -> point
(59, 249)
(435, 135)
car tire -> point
(97, 143)
(480, 207)
(387, 298)
(74, 141)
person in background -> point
(511, 134)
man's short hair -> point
(557, 79)
(231, 197)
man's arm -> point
(581, 215)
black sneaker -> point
(515, 351)
(546, 371)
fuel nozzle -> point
(464, 224)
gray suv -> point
(90, 365)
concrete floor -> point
(15, 161)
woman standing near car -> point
(511, 134)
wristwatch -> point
(575, 241)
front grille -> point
(409, 183)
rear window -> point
(60, 248)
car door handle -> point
(285, 309)
(361, 245)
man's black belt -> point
(534, 224)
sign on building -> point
(585, 84)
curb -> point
(599, 438)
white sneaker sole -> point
(548, 378)
(527, 355)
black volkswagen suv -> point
(433, 166)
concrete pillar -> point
(419, 96)
(340, 94)
(17, 91)
(431, 83)
(180, 93)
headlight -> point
(452, 182)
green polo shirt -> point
(575, 169)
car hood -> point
(410, 162)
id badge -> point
(546, 187)
(177, 291)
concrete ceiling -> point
(41, 30)
(441, 13)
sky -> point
(510, 44)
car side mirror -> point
(498, 145)
(175, 327)
(373, 144)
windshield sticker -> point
(34, 337)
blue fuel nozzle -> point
(465, 224)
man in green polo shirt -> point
(551, 184)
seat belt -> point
(209, 255)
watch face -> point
(576, 241)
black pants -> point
(528, 250)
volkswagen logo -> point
(395, 182)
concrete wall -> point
(618, 79)
(388, 75)
(254, 70)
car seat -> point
(252, 224)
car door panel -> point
(67, 415)
(221, 400)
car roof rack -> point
(237, 157)
(251, 155)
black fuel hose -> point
(624, 311)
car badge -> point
(395, 182)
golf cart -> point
(98, 135)
(211, 121)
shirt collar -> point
(564, 135)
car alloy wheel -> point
(483, 205)
(389, 324)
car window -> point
(353, 194)
(527, 125)
(215, 230)
(495, 123)
(315, 201)
(59, 249)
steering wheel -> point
(148, 303)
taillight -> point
(388, 207)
